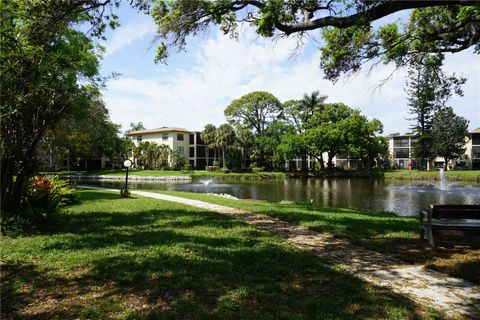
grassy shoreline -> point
(113, 258)
(467, 175)
(387, 233)
(199, 174)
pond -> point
(405, 198)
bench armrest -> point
(424, 216)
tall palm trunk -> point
(223, 155)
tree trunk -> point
(304, 164)
(223, 157)
(330, 161)
(206, 156)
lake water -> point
(377, 195)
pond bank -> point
(159, 175)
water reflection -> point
(404, 198)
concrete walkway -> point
(451, 295)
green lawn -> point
(466, 175)
(387, 233)
(113, 258)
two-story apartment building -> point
(184, 142)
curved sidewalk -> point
(451, 295)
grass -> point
(387, 233)
(112, 258)
(164, 173)
(466, 175)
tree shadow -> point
(180, 264)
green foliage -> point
(187, 168)
(224, 137)
(428, 91)
(48, 70)
(178, 160)
(150, 155)
(44, 195)
(347, 27)
(208, 137)
(86, 133)
(448, 132)
(341, 129)
(256, 111)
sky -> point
(195, 87)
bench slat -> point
(455, 211)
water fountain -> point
(206, 182)
(443, 184)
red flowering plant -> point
(45, 195)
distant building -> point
(189, 144)
(472, 150)
(400, 147)
(184, 142)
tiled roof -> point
(162, 129)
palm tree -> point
(224, 136)
(310, 104)
(208, 137)
(135, 127)
(164, 153)
(246, 141)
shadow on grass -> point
(251, 283)
(180, 264)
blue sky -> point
(196, 85)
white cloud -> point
(225, 69)
(128, 34)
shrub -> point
(187, 168)
(255, 169)
(45, 195)
(225, 170)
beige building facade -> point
(400, 147)
(182, 141)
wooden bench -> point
(449, 217)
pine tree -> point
(428, 90)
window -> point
(164, 136)
(180, 150)
(475, 138)
(401, 153)
(139, 138)
(192, 138)
(192, 152)
(180, 136)
(400, 142)
(475, 152)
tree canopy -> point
(47, 71)
(255, 110)
(346, 26)
(449, 131)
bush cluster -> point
(45, 195)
